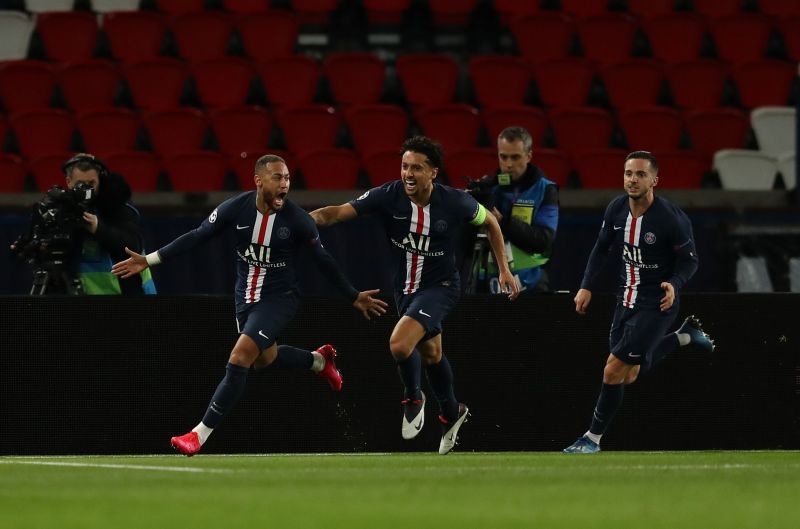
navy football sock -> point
(608, 403)
(667, 344)
(227, 394)
(410, 371)
(440, 377)
(292, 358)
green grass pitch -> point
(674, 490)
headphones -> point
(90, 159)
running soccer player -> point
(658, 257)
(269, 231)
(423, 220)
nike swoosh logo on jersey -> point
(262, 334)
(241, 227)
(633, 355)
(618, 228)
(399, 218)
(424, 313)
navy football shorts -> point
(636, 332)
(429, 307)
(265, 320)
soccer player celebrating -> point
(658, 258)
(422, 221)
(269, 231)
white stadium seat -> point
(745, 170)
(788, 169)
(774, 128)
(15, 35)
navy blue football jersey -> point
(656, 247)
(424, 240)
(265, 245)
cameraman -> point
(525, 204)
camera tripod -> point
(477, 281)
(51, 278)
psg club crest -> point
(649, 237)
(440, 226)
(283, 232)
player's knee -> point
(614, 374)
(399, 349)
(631, 377)
(431, 357)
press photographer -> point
(525, 204)
(77, 232)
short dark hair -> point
(262, 162)
(426, 146)
(84, 162)
(644, 155)
(511, 134)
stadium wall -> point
(102, 375)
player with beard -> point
(269, 231)
(658, 257)
(423, 220)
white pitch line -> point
(117, 466)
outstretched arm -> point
(133, 264)
(330, 215)
(507, 282)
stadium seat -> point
(223, 82)
(377, 127)
(196, 171)
(355, 78)
(578, 129)
(12, 173)
(790, 30)
(510, 10)
(176, 130)
(26, 84)
(499, 79)
(330, 169)
(556, 165)
(469, 164)
(651, 129)
(745, 170)
(584, 8)
(697, 84)
(714, 129)
(781, 8)
(543, 37)
(385, 12)
(108, 130)
(201, 36)
(601, 168)
(565, 82)
(767, 82)
(46, 169)
(89, 84)
(135, 35)
(156, 83)
(241, 129)
(109, 6)
(788, 169)
(454, 126)
(624, 92)
(140, 169)
(309, 128)
(651, 8)
(775, 129)
(382, 166)
(291, 80)
(451, 12)
(16, 29)
(246, 6)
(607, 38)
(717, 8)
(676, 37)
(3, 131)
(428, 79)
(68, 35)
(741, 38)
(532, 119)
(42, 132)
(680, 169)
(314, 12)
(180, 7)
(243, 165)
(282, 28)
(45, 6)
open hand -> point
(366, 304)
(130, 266)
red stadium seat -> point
(223, 82)
(543, 37)
(651, 129)
(680, 170)
(790, 29)
(716, 8)
(581, 128)
(176, 130)
(140, 169)
(651, 8)
(109, 130)
(89, 84)
(499, 79)
(46, 169)
(196, 171)
(601, 168)
(241, 129)
(469, 164)
(556, 164)
(530, 118)
(715, 129)
(42, 132)
(291, 80)
(180, 7)
(676, 37)
(454, 126)
(428, 79)
(68, 35)
(12, 174)
(584, 8)
(355, 78)
(330, 169)
(780, 8)
(281, 27)
(565, 82)
(633, 83)
(26, 85)
(767, 82)
(741, 38)
(377, 127)
(157, 83)
(510, 10)
(697, 84)
(452, 12)
(246, 6)
(382, 166)
(385, 11)
(309, 128)
(3, 130)
(315, 12)
(135, 35)
(243, 165)
(607, 38)
(203, 35)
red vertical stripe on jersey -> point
(415, 257)
(257, 270)
(631, 241)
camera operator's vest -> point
(94, 272)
